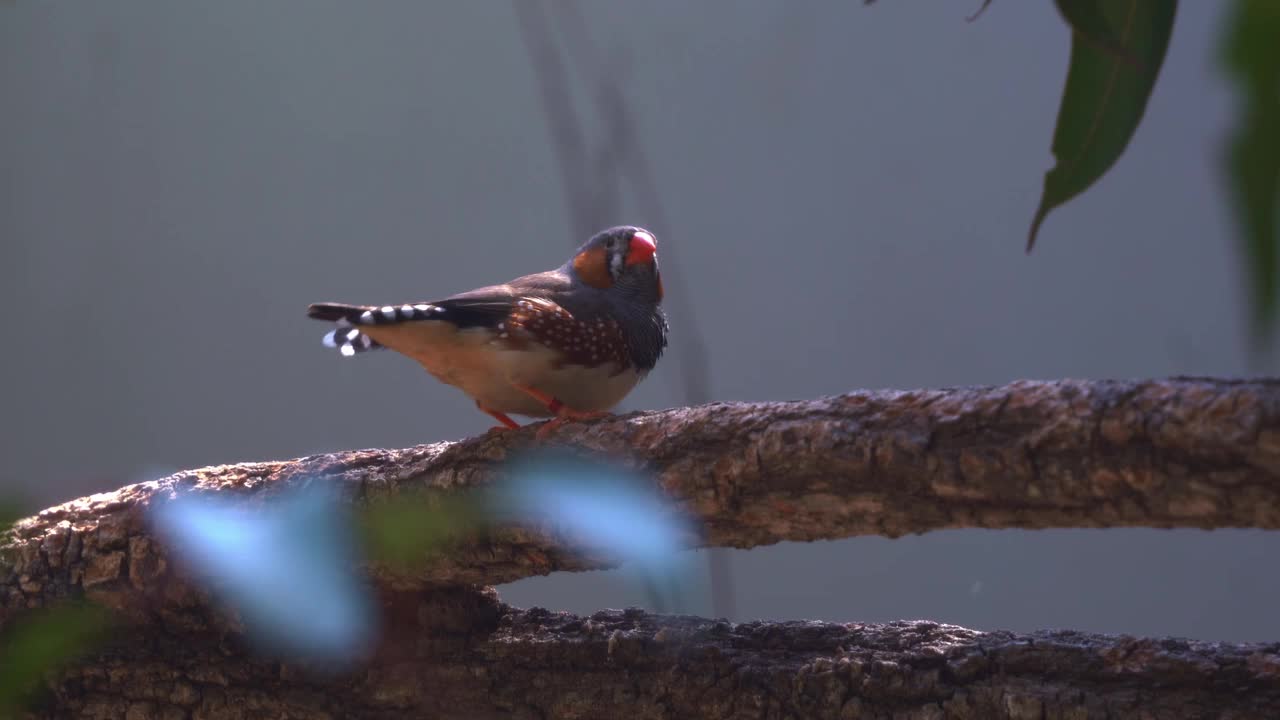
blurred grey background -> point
(846, 194)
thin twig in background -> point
(562, 122)
(633, 164)
(694, 372)
(609, 166)
(593, 191)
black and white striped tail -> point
(347, 337)
(349, 340)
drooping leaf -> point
(39, 642)
(1251, 56)
(1116, 54)
(1087, 20)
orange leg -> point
(507, 423)
(558, 409)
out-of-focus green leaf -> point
(408, 529)
(1251, 56)
(1116, 53)
(11, 511)
(9, 515)
(41, 641)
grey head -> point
(615, 274)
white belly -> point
(487, 370)
(596, 389)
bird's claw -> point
(565, 415)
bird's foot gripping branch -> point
(1172, 453)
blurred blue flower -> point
(600, 505)
(287, 566)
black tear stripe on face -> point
(616, 255)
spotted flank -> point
(347, 337)
(587, 342)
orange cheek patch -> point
(592, 267)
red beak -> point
(642, 248)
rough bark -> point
(1176, 453)
(460, 654)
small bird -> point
(568, 343)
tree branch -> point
(1174, 453)
(461, 654)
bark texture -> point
(458, 653)
(1176, 453)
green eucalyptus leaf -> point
(1117, 48)
(1251, 57)
(1092, 26)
